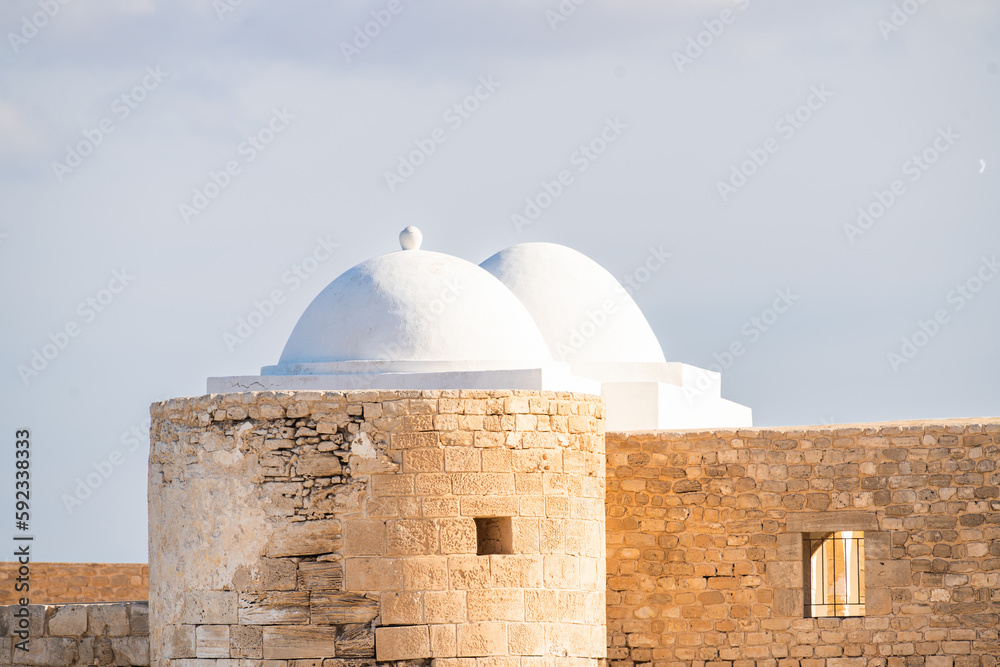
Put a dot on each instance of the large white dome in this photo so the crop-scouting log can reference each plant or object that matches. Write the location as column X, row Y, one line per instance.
column 411, row 310
column 583, row 312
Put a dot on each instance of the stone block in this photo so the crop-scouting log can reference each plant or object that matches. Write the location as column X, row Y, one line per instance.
column 246, row 641
column 878, row 601
column 423, row 460
column 138, row 618
column 425, row 574
column 495, row 605
column 269, row 574
column 444, row 641
column 439, row 507
column 484, row 484
column 364, row 537
column 68, row 621
column 888, row 573
column 789, row 547
column 401, row 608
column 355, row 641
column 445, row 607
column 108, row 619
column 178, row 641
column 131, row 651
column 277, row 608
column 526, row 638
column 290, row 642
column 413, row 537
column 305, row 538
column 877, row 546
column 482, row 639
column 474, row 506
column 49, row 652
column 810, row 522
column 458, row 536
column 402, row 643
column 562, row 572
column 789, row 602
column 373, row 574
column 784, row 574
column 322, row 576
column 208, row 608
column 212, row 641
column 461, row 459
column 469, row 572
column 540, row 605
column 325, row 464
column 338, row 608
column 432, row 484
column 392, row 485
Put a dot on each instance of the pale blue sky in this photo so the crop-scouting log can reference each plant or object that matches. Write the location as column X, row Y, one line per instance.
column 884, row 96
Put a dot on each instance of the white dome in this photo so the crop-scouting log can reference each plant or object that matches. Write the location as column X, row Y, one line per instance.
column 583, row 312
column 408, row 308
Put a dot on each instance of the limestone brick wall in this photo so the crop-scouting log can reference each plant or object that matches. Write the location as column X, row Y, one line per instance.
column 295, row 527
column 705, row 551
column 72, row 635
column 60, row 583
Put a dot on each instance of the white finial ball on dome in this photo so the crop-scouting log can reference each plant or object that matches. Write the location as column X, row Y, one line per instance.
column 410, row 238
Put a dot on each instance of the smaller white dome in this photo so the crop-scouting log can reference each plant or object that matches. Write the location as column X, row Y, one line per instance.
column 583, row 312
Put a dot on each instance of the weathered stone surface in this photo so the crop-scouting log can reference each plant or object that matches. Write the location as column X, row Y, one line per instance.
column 305, row 539
column 49, row 652
column 286, row 642
column 209, row 607
column 716, row 576
column 402, row 643
column 275, row 608
column 69, row 620
column 108, row 619
column 341, row 608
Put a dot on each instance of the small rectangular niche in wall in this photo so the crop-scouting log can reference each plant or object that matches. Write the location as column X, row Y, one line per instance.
column 835, row 583
column 494, row 536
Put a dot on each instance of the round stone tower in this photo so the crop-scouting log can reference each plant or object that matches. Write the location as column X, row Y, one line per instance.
column 417, row 479
column 378, row 525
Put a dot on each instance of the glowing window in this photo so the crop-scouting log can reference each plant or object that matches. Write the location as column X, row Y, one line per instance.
column 836, row 584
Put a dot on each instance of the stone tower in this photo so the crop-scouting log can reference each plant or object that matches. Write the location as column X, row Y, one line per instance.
column 378, row 525
column 422, row 474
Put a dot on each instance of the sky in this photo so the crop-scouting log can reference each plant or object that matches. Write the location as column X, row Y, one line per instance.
column 166, row 167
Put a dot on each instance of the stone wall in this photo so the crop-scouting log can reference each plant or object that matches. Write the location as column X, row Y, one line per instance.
column 61, row 583
column 705, row 530
column 77, row 634
column 298, row 526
